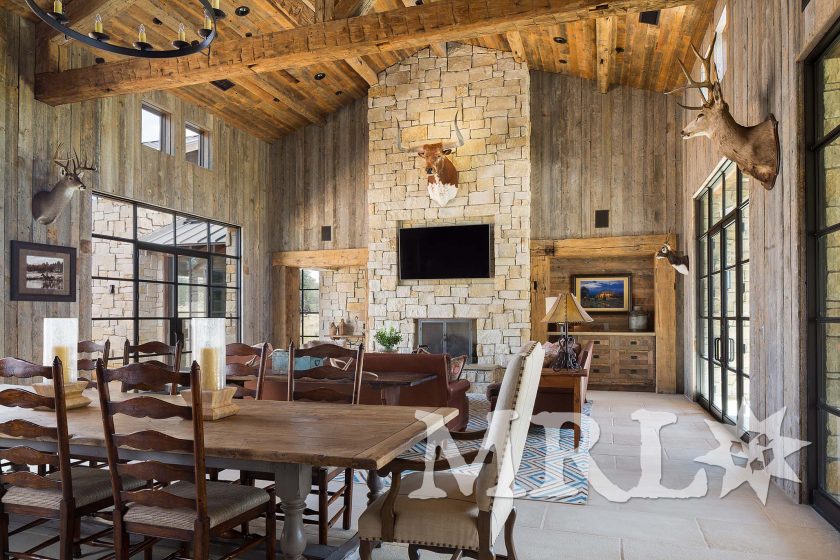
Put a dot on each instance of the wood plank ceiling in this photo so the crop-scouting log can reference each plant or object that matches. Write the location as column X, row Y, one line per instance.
column 615, row 50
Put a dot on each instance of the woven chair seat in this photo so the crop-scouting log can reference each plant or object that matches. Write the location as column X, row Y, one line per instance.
column 89, row 486
column 224, row 502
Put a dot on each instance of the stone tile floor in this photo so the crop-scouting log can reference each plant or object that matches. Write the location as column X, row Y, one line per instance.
column 737, row 527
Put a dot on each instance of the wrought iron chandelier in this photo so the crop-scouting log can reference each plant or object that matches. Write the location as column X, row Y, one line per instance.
column 98, row 39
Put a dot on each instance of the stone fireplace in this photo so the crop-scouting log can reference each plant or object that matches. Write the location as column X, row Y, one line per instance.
column 490, row 93
column 455, row 337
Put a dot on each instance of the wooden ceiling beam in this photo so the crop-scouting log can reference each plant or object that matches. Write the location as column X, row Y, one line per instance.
column 403, row 28
column 82, row 14
column 517, row 47
column 294, row 105
column 606, row 30
column 363, row 69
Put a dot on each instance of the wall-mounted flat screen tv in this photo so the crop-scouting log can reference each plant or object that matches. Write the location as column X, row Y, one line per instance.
column 444, row 252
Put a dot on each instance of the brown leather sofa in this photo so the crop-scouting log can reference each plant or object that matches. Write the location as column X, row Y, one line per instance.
column 439, row 392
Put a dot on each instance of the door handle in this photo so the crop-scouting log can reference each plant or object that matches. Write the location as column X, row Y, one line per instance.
column 730, row 350
column 717, row 348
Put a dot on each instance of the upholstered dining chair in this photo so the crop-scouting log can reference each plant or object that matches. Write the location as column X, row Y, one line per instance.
column 466, row 522
column 185, row 507
column 148, row 352
column 66, row 494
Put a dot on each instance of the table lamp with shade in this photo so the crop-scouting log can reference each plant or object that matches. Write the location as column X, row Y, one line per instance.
column 565, row 309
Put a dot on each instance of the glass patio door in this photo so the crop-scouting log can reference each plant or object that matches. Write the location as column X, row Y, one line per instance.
column 723, row 356
column 823, row 249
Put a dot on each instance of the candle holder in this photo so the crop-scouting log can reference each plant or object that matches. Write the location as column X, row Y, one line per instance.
column 178, row 44
column 101, row 37
column 208, row 344
column 204, row 32
column 143, row 46
column 61, row 340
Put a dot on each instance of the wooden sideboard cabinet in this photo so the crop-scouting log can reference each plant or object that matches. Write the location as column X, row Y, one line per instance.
column 621, row 360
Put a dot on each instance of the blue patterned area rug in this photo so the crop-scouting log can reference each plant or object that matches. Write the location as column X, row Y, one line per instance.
column 552, row 470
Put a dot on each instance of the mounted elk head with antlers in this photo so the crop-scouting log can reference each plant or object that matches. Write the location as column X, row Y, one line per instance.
column 441, row 173
column 754, row 148
column 47, row 205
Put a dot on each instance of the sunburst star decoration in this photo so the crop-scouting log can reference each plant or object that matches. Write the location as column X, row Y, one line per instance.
column 755, row 462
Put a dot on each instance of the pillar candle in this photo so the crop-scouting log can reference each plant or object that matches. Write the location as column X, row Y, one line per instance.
column 208, row 361
column 63, row 354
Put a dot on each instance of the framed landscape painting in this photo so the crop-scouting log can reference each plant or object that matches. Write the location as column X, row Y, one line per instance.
column 43, row 272
column 603, row 294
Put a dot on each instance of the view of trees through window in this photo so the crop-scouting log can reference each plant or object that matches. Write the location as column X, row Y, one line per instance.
column 310, row 300
column 154, row 269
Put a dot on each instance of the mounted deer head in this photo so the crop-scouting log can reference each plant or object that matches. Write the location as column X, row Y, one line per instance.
column 754, row 148
column 679, row 262
column 441, row 173
column 47, row 205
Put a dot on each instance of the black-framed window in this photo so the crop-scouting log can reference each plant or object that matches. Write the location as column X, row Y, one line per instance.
column 197, row 145
column 823, row 273
column 154, row 128
column 153, row 269
column 310, row 305
column 723, row 294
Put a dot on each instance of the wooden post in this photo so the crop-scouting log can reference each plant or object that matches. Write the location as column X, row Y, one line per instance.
column 540, row 288
column 665, row 314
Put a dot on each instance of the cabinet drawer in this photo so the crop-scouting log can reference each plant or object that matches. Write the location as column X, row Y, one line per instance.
column 634, row 342
column 600, row 356
column 597, row 341
column 631, row 358
column 636, row 374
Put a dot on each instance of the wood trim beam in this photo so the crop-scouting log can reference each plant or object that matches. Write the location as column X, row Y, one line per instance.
column 363, row 69
column 403, row 28
column 625, row 246
column 323, row 258
column 517, row 47
column 606, row 30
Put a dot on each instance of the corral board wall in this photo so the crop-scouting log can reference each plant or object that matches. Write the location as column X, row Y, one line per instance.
column 618, row 151
column 319, row 175
column 763, row 76
column 233, row 190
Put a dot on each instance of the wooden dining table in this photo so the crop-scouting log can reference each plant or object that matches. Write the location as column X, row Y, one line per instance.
column 388, row 383
column 285, row 438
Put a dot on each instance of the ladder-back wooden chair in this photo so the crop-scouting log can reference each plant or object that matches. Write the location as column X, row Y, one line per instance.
column 171, row 355
column 339, row 380
column 462, row 524
column 244, row 360
column 87, row 366
column 188, row 508
column 66, row 494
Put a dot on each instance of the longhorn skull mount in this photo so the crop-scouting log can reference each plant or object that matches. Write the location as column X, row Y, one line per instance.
column 754, row 148
column 441, row 173
column 48, row 204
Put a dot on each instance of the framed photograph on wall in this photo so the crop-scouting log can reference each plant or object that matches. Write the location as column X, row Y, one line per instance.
column 603, row 293
column 43, row 272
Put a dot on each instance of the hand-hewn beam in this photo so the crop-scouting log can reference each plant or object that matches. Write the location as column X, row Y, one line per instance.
column 321, row 258
column 514, row 39
column 605, row 36
column 438, row 49
column 403, row 28
column 363, row 69
column 82, row 14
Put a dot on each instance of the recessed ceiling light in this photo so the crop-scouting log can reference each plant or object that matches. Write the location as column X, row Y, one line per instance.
column 249, row 34
column 563, row 61
column 99, row 60
column 156, row 21
column 223, row 85
column 561, row 40
column 339, row 92
column 619, row 50
column 242, row 11
column 320, row 76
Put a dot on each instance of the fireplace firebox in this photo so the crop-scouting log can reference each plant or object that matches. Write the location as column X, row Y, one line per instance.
column 455, row 337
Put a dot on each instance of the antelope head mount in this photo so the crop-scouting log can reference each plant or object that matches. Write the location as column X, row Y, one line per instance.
column 679, row 262
column 754, row 148
column 441, row 173
column 47, row 205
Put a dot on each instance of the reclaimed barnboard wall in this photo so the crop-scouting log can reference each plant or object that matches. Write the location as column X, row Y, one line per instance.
column 235, row 189
column 618, row 151
column 319, row 175
column 765, row 39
